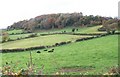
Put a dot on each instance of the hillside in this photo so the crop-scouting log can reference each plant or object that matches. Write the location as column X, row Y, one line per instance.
column 60, row 20
column 92, row 57
column 85, row 51
column 60, row 44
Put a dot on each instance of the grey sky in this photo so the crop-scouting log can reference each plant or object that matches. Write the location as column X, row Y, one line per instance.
column 16, row 10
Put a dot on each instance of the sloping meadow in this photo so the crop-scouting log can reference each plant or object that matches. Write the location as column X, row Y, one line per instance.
column 95, row 56
column 40, row 41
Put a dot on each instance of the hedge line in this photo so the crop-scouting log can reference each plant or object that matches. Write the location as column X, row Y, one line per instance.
column 88, row 38
column 33, row 48
column 56, row 44
column 64, row 33
column 79, row 33
column 21, row 49
column 62, row 43
column 20, row 38
column 70, row 33
column 20, row 33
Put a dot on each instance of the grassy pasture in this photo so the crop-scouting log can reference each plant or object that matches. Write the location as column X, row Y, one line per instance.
column 18, row 36
column 96, row 56
column 91, row 30
column 40, row 41
column 15, row 31
column 69, row 29
column 13, row 37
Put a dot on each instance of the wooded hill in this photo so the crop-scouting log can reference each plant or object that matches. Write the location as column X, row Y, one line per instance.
column 59, row 20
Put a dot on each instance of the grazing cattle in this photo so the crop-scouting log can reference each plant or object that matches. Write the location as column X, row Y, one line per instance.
column 45, row 50
column 6, row 63
column 51, row 50
column 64, row 31
column 76, row 29
column 73, row 30
column 38, row 52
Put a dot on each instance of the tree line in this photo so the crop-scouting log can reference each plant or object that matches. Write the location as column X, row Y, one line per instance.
column 59, row 20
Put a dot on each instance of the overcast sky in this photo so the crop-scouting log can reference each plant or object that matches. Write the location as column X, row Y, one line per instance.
column 15, row 10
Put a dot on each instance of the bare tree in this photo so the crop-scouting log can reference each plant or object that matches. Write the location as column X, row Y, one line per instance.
column 110, row 25
column 5, row 36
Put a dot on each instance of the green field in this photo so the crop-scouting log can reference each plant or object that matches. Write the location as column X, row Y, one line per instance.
column 69, row 29
column 94, row 56
column 40, row 41
column 13, row 37
column 14, row 31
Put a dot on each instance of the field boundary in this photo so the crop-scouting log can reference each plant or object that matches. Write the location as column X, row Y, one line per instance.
column 69, row 33
column 83, row 34
column 56, row 44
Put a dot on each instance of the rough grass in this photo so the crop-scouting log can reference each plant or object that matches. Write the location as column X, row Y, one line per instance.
column 15, row 31
column 18, row 36
column 69, row 29
column 91, row 30
column 93, row 56
column 40, row 41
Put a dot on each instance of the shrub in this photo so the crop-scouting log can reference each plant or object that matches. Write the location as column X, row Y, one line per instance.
column 64, row 31
column 68, row 42
column 18, row 38
column 45, row 50
column 62, row 43
column 102, row 29
column 76, row 29
column 12, row 33
column 33, row 35
column 73, row 30
column 79, row 40
column 8, row 70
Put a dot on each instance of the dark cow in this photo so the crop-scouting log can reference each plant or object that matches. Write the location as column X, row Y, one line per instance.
column 38, row 52
column 51, row 50
column 6, row 63
column 76, row 29
column 45, row 50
